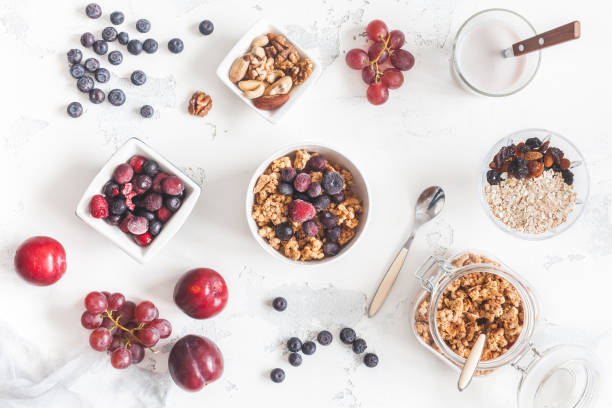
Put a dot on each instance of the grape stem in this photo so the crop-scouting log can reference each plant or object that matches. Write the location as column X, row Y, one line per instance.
column 374, row 63
column 118, row 325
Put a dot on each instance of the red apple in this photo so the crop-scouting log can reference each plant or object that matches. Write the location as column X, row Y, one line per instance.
column 201, row 293
column 194, row 362
column 41, row 260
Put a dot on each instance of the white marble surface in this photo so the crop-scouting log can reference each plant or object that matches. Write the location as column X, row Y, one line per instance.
column 430, row 132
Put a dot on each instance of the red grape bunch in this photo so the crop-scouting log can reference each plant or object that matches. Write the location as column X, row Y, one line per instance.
column 387, row 48
column 122, row 328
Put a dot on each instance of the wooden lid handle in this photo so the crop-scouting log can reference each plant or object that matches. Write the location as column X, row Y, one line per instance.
column 555, row 36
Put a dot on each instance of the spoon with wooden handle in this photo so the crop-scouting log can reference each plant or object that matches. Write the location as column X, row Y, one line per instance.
column 469, row 368
column 555, row 36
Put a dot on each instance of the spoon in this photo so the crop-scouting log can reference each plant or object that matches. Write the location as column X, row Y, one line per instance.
column 469, row 368
column 555, row 36
column 429, row 204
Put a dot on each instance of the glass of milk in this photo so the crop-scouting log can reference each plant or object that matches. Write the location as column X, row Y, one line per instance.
column 478, row 63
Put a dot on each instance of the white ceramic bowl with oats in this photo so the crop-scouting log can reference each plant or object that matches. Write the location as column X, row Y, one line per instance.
column 358, row 189
column 141, row 254
column 540, row 207
column 243, row 46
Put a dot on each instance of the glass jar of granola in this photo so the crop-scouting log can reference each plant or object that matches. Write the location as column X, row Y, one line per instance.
column 459, row 294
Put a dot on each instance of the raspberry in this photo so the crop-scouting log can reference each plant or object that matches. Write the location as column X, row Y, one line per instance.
column 302, row 182
column 136, row 162
column 157, row 182
column 128, row 200
column 301, row 211
column 98, row 206
column 143, row 239
column 164, row 214
column 310, row 228
column 126, row 189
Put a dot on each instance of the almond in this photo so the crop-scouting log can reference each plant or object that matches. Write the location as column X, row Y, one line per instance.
column 533, row 155
column 239, row 68
column 271, row 102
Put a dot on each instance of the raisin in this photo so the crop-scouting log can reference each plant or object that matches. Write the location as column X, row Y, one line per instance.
column 493, row 177
column 565, row 164
column 517, row 150
column 533, row 142
column 498, row 160
column 535, row 168
column 533, row 155
column 507, row 152
column 548, row 160
column 524, row 149
column 568, row 177
column 556, row 153
column 518, row 168
column 544, row 147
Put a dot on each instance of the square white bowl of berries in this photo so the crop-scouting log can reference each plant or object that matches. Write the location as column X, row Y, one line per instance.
column 243, row 47
column 138, row 200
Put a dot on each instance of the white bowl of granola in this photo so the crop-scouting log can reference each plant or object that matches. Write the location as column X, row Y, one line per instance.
column 331, row 222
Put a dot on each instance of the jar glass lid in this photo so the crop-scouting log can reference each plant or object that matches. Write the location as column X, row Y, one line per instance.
column 564, row 376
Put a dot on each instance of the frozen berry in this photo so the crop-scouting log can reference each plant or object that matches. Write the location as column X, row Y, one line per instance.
column 113, row 220
column 96, row 96
column 123, row 38
column 331, row 248
column 568, row 177
column 347, row 335
column 294, row 344
column 143, row 25
column 328, row 219
column 283, row 231
column 91, row 64
column 93, row 10
column 100, row 47
column 285, row 189
column 333, row 234
column 74, row 109
column 155, row 227
column 325, row 338
column 172, row 185
column 137, row 162
column 206, row 27
column 279, row 304
column 138, row 225
column 143, row 182
column 157, row 180
column 85, row 84
column 143, row 239
column 126, row 188
column 115, row 57
column 98, row 206
column 311, row 229
column 370, row 360
column 128, row 200
column 117, row 17
column 314, row 190
column 277, row 375
column 288, row 174
column 123, row 173
column 151, row 167
column 295, row 359
column 302, row 182
column 77, row 71
column 138, row 77
column 110, row 189
column 109, row 34
column 301, row 196
column 172, row 203
column 134, row 47
column 316, row 163
column 332, row 182
column 124, row 222
column 117, row 206
column 152, row 202
column 301, row 211
column 116, row 97
column 141, row 212
column 321, row 202
column 102, row 75
column 338, row 198
column 164, row 214
column 146, row 111
column 309, row 347
column 87, row 39
column 150, row 46
column 359, row 346
column 175, row 45
column 493, row 177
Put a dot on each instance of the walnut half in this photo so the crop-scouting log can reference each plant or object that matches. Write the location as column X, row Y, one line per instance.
column 200, row 104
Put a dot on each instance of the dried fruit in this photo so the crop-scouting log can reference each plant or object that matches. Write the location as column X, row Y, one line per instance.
column 533, row 142
column 271, row 102
column 533, row 155
column 548, row 160
column 556, row 153
column 518, row 168
column 565, row 164
column 568, row 177
column 280, row 87
column 536, row 168
column 493, row 177
column 518, row 150
column 544, row 147
column 200, row 104
column 239, row 68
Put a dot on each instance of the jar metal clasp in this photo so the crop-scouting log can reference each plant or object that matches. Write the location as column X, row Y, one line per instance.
column 430, row 273
column 524, row 362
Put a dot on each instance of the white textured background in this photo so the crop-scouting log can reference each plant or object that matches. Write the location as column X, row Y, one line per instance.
column 429, row 132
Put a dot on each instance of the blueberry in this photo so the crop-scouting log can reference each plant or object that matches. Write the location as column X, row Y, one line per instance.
column 288, row 174
column 285, row 189
column 115, row 57
column 117, row 206
column 172, row 203
column 321, row 202
column 141, row 212
column 109, row 188
column 116, row 97
column 295, row 359
column 316, row 163
column 314, row 190
column 138, row 77
column 150, row 46
column 143, row 182
column 277, row 375
column 77, row 71
column 325, row 338
column 284, row 232
column 332, row 182
column 310, row 228
column 96, row 96
column 333, row 234
column 74, row 109
column 146, row 111
column 102, row 75
column 74, row 56
column 123, row 38
column 279, row 304
column 347, row 335
column 359, row 346
column 134, row 47
column 151, row 167
column 370, row 360
column 331, row 248
column 92, row 64
column 109, row 34
column 143, row 25
column 327, row 219
column 87, row 40
column 113, row 219
column 309, row 348
column 85, row 84
column 175, row 45
column 117, row 17
column 338, row 198
column 155, row 226
column 493, row 177
column 93, row 10
column 100, row 47
column 206, row 27
column 294, row 344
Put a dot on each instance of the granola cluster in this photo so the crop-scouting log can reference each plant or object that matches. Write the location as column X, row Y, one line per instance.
column 279, row 222
column 467, row 299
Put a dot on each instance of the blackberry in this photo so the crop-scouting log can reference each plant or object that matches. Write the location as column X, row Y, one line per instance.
column 74, row 56
column 279, row 304
column 294, row 344
column 295, row 359
column 93, row 10
column 284, row 232
column 85, row 84
column 134, row 47
column 143, row 25
column 285, row 189
column 347, row 335
column 359, row 346
column 325, row 338
column 309, row 348
column 115, row 57
column 277, row 375
column 87, row 40
column 100, row 47
column 206, row 27
column 370, row 360
column 117, row 17
column 175, row 45
column 102, row 75
column 91, row 64
column 146, row 111
column 116, row 97
column 568, row 177
column 533, row 142
column 138, row 77
column 493, row 177
column 150, row 46
column 75, row 109
column 77, row 71
column 96, row 96
column 109, row 34
column 123, row 38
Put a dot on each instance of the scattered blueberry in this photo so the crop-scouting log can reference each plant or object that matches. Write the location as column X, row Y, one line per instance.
column 321, row 202
column 74, row 56
column 87, row 40
column 288, row 174
column 100, row 47
column 138, row 77
column 93, row 10
column 359, row 346
column 123, row 38
column 143, row 25
column 316, row 163
column 331, row 248
column 116, row 97
column 77, row 71
column 109, row 34
column 284, row 232
column 172, row 203
column 347, row 335
column 117, row 206
column 370, row 360
column 96, row 96
column 102, row 75
column 134, row 47
column 85, row 84
column 310, row 228
column 75, row 110
column 277, row 375
column 333, row 234
column 285, row 189
column 294, row 344
column 206, row 27
column 338, row 198
column 155, row 227
column 332, row 182
column 295, row 359
column 115, row 57
column 150, row 46
column 328, row 219
column 309, row 347
column 315, row 189
column 146, row 111
column 117, row 17
column 279, row 304
column 493, row 177
column 151, row 167
column 175, row 45
column 91, row 64
column 325, row 338
column 113, row 219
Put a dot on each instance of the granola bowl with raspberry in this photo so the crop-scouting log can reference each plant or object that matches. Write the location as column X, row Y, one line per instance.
column 307, row 204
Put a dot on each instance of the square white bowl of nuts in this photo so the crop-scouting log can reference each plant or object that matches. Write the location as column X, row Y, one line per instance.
column 268, row 70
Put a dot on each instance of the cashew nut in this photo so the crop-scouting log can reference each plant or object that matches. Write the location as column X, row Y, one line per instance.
column 252, row 89
column 239, row 68
column 280, row 87
column 259, row 52
column 260, row 41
